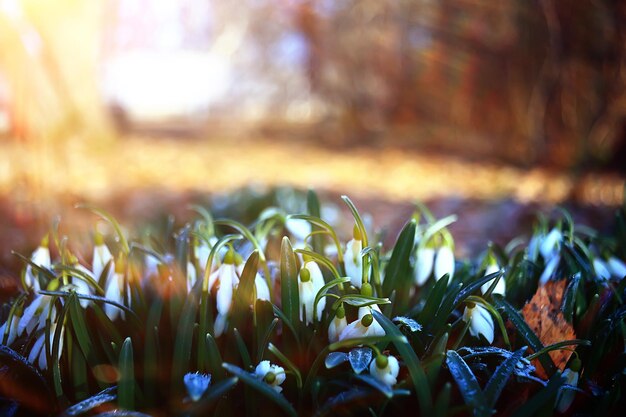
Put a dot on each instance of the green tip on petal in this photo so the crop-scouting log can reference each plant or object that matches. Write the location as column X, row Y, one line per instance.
column 305, row 275
column 229, row 258
column 381, row 361
column 98, row 238
column 356, row 233
column 270, row 377
column 367, row 320
column 367, row 290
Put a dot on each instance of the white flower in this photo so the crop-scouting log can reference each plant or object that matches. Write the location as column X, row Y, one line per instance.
column 551, row 244
column 600, row 267
column 101, row 257
column 423, row 265
column 364, row 326
column 298, row 228
column 40, row 257
column 353, row 262
column 566, row 396
column 273, row 375
column 36, row 314
column 310, row 282
column 12, row 332
column 81, row 286
column 191, row 276
column 550, row 269
column 38, row 353
column 226, row 276
column 480, row 322
column 196, row 384
column 113, row 292
column 262, row 289
column 388, row 371
column 337, row 325
column 500, row 287
column 444, row 263
column 617, row 267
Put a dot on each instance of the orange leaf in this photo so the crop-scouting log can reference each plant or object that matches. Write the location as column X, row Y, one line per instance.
column 543, row 315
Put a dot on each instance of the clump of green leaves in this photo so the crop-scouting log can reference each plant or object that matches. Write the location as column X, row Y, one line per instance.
column 286, row 316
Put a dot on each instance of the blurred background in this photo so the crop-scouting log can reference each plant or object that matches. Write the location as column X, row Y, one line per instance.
column 488, row 109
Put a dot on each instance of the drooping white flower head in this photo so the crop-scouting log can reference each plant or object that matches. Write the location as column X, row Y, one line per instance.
column 500, row 287
column 227, row 278
column 617, row 267
column 425, row 258
column 364, row 326
column 337, row 325
column 551, row 244
column 352, row 259
column 385, row 369
column 481, row 322
column 298, row 228
column 444, row 262
column 40, row 257
column 310, row 282
column 80, row 285
column 566, row 396
column 192, row 276
column 38, row 353
column 196, row 384
column 114, row 290
column 260, row 284
column 601, row 269
column 273, row 375
column 11, row 333
column 101, row 257
column 550, row 269
column 36, row 314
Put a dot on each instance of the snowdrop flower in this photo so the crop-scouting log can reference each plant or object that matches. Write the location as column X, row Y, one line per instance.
column 492, row 268
column 196, row 384
column 385, row 369
column 227, row 277
column 192, row 277
column 12, row 332
column 352, row 259
column 337, row 325
column 617, row 267
column 551, row 244
column 364, row 326
column 114, row 291
column 38, row 352
column 566, row 396
column 262, row 289
column 273, row 375
column 550, row 269
column 298, row 228
column 480, row 321
column 425, row 258
column 41, row 257
column 601, row 269
column 444, row 262
column 81, row 286
column 36, row 314
column 310, row 282
column 101, row 257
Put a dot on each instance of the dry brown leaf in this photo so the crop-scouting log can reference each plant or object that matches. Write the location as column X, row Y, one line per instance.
column 543, row 315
